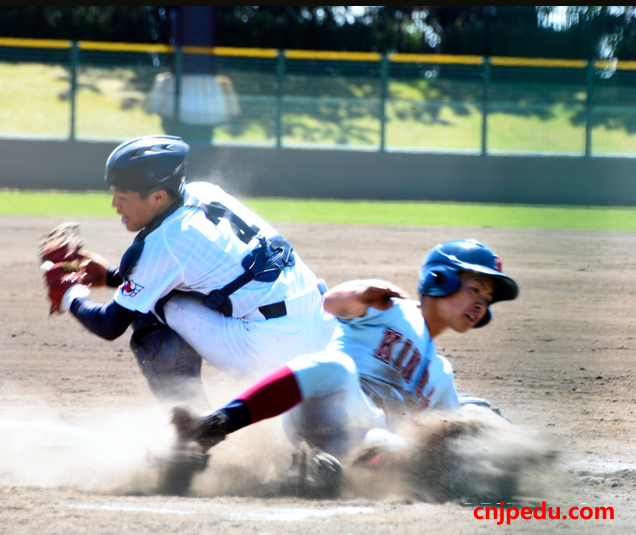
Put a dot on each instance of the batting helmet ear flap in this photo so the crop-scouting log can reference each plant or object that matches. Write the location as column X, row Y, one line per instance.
column 439, row 281
column 484, row 321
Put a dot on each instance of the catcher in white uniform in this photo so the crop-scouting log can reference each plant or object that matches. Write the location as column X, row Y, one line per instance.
column 204, row 277
column 380, row 366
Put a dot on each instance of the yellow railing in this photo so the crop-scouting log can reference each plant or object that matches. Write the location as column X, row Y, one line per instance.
column 317, row 54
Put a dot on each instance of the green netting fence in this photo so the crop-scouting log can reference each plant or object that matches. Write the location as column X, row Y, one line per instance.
column 340, row 100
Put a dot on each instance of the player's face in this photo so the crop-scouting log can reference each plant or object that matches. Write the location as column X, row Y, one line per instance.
column 136, row 211
column 463, row 309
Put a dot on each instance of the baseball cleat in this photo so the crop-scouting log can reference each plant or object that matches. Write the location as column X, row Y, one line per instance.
column 317, row 475
column 179, row 470
column 205, row 431
column 195, row 436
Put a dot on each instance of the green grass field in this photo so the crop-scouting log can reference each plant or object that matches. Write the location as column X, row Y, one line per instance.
column 323, row 109
column 354, row 212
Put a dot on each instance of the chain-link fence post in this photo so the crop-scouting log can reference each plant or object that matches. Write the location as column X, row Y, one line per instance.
column 280, row 97
column 74, row 58
column 384, row 92
column 484, row 122
column 589, row 109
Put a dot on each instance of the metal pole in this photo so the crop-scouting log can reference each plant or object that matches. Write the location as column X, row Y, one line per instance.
column 280, row 97
column 178, row 72
column 589, row 104
column 384, row 91
column 484, row 123
column 73, row 96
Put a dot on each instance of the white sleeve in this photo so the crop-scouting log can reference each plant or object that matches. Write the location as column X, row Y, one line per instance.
column 75, row 291
column 440, row 390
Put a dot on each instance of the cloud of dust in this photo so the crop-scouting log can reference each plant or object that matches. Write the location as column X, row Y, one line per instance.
column 123, row 451
column 475, row 455
column 112, row 454
column 471, row 456
column 251, row 462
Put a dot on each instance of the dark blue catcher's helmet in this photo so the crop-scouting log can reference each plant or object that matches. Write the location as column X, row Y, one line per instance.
column 439, row 275
column 147, row 164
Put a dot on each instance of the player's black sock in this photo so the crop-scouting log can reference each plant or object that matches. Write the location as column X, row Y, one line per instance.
column 238, row 415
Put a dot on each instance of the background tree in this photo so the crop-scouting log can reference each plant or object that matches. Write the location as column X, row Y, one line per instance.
column 584, row 32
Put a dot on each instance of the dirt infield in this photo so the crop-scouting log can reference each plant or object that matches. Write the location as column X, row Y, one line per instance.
column 77, row 420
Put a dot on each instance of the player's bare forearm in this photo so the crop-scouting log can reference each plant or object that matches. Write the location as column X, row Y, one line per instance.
column 352, row 299
column 343, row 301
column 94, row 269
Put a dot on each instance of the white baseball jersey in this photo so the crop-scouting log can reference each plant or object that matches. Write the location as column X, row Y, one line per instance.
column 375, row 363
column 396, row 357
column 187, row 252
column 193, row 255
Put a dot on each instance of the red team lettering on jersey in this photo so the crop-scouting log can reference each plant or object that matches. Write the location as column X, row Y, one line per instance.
column 399, row 353
column 393, row 349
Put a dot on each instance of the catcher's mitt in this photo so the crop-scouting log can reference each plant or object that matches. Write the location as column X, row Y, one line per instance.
column 58, row 281
column 62, row 245
column 60, row 253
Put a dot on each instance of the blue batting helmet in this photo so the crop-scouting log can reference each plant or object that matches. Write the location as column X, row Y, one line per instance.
column 147, row 164
column 439, row 275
